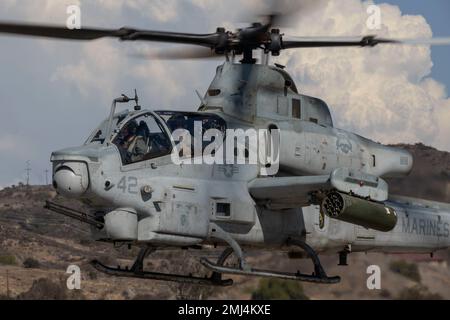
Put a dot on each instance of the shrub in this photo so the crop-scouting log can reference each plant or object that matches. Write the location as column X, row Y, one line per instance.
column 276, row 289
column 418, row 292
column 85, row 242
column 31, row 263
column 45, row 289
column 108, row 260
column 386, row 294
column 182, row 263
column 8, row 260
column 408, row 270
column 92, row 275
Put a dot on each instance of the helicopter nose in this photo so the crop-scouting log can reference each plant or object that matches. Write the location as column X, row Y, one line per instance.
column 71, row 179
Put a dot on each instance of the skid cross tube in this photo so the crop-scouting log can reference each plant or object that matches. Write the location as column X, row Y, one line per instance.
column 318, row 269
column 319, row 275
column 137, row 271
column 218, row 233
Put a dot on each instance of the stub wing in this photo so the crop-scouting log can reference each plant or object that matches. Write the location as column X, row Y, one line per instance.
column 294, row 192
column 287, row 192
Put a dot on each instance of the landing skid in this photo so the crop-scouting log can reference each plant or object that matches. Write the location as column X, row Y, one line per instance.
column 269, row 274
column 211, row 281
column 137, row 271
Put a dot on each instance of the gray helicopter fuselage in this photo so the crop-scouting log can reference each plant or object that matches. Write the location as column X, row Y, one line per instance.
column 160, row 203
column 183, row 205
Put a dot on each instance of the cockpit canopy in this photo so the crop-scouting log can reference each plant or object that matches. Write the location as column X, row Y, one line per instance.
column 186, row 120
column 142, row 137
column 98, row 136
column 146, row 135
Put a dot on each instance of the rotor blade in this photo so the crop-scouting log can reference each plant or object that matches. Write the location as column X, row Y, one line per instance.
column 55, row 31
column 177, row 54
column 319, row 42
column 210, row 40
column 442, row 41
column 368, row 41
column 59, row 32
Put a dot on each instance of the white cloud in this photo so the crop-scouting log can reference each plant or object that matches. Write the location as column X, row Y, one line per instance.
column 54, row 11
column 39, row 11
column 98, row 69
column 159, row 10
column 385, row 93
column 163, row 81
column 103, row 69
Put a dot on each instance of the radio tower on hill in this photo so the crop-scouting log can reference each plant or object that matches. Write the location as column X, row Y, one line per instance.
column 28, row 170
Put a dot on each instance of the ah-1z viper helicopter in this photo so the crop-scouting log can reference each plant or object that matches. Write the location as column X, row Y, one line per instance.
column 328, row 195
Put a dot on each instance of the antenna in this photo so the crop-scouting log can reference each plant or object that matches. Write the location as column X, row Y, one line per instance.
column 125, row 99
column 28, row 170
column 137, row 107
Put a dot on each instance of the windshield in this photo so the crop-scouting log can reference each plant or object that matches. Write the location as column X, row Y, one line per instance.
column 142, row 138
column 98, row 135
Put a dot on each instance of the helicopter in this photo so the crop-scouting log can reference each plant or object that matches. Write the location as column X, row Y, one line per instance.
column 314, row 189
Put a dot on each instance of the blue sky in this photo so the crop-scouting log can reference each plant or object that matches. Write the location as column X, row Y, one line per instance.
column 437, row 13
column 54, row 93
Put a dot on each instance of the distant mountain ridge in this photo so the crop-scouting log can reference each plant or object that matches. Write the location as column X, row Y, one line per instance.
column 430, row 176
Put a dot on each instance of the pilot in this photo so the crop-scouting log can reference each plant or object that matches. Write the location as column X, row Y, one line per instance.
column 125, row 139
column 139, row 144
column 176, row 122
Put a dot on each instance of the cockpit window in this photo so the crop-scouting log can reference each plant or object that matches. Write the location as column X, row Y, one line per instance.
column 98, row 136
column 186, row 120
column 142, row 138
